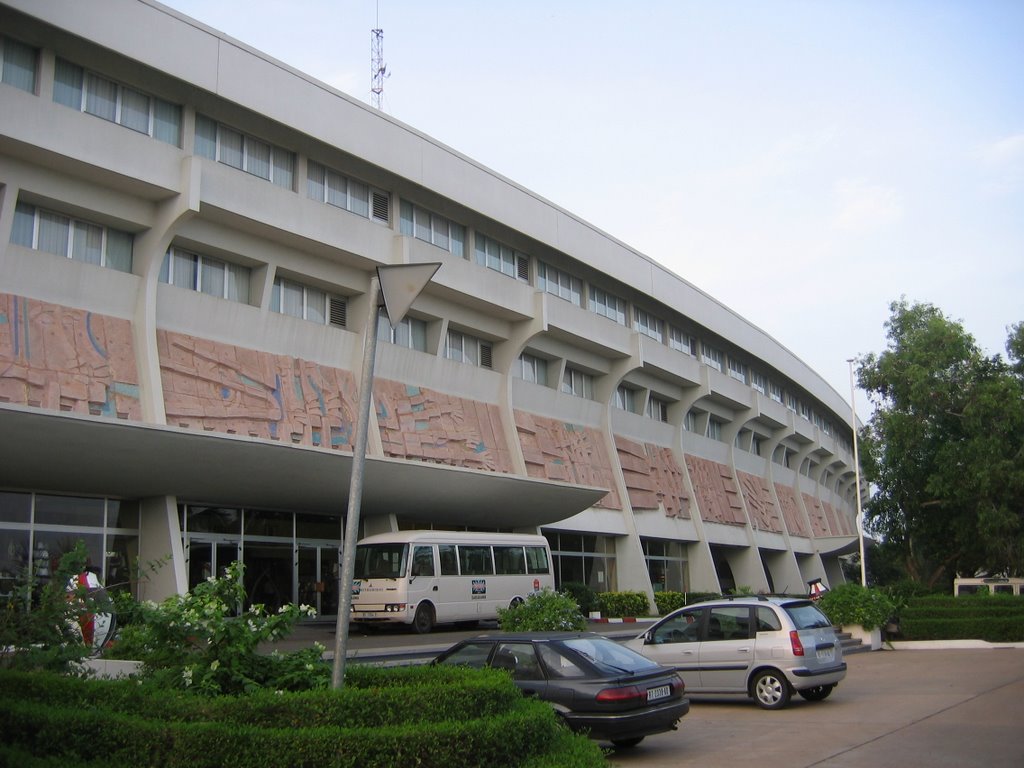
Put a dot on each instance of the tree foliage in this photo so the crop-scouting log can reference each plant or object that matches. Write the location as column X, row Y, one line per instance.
column 944, row 447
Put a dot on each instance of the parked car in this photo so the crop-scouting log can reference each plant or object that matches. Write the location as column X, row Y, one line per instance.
column 762, row 647
column 596, row 685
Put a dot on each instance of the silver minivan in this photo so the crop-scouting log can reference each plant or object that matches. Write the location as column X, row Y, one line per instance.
column 758, row 646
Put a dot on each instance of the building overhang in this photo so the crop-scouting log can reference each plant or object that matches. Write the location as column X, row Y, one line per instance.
column 86, row 455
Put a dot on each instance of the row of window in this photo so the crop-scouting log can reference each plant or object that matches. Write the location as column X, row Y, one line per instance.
column 90, row 92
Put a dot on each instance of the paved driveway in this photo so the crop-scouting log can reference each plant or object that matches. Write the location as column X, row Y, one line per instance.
column 903, row 708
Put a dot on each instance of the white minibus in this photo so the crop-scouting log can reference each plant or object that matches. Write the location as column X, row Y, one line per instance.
column 425, row 578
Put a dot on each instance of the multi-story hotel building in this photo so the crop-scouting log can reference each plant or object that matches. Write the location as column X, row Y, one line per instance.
column 188, row 233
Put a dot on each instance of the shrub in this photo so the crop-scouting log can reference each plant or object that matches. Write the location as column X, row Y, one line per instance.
column 584, row 596
column 196, row 641
column 618, row 604
column 39, row 619
column 669, row 601
column 700, row 597
column 543, row 611
column 851, row 603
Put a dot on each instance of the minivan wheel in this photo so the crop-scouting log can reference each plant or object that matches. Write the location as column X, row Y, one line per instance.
column 423, row 621
column 770, row 689
column 817, row 693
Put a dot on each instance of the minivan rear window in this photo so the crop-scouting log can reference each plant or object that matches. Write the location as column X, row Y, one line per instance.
column 806, row 615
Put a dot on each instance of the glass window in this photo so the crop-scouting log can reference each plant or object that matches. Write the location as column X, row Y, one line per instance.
column 509, row 560
column 135, row 110
column 728, row 623
column 682, row 628
column 167, row 122
column 475, row 561
column 380, row 561
column 559, row 283
column 18, row 64
column 682, row 341
column 607, row 305
column 71, row 238
column 206, row 137
column 712, row 357
column 15, row 507
column 205, row 274
column 410, row 333
column 537, row 560
column 767, row 621
column 558, row 664
column 625, row 398
column 578, row 383
column 67, row 84
column 69, row 510
column 470, row 655
column 647, row 324
column 449, row 559
column 422, row 561
column 657, row 409
column 532, row 369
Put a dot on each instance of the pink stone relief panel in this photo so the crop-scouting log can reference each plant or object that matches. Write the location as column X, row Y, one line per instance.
column 65, row 359
column 718, row 497
column 557, row 450
column 419, row 423
column 218, row 387
column 760, row 503
column 791, row 511
column 653, row 477
column 819, row 525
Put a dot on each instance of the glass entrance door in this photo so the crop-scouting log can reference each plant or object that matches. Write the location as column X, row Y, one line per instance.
column 208, row 556
column 318, row 579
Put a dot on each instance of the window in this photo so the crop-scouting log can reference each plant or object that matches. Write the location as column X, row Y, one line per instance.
column 509, row 560
column 755, row 444
column 431, row 228
column 206, row 275
column 327, row 186
column 422, row 561
column 246, row 153
column 775, row 391
column 302, row 301
column 467, row 349
column 17, row 64
column 475, row 560
column 656, row 409
column 712, row 357
column 714, row 430
column 501, row 258
column 578, row 384
column 607, row 305
column 532, row 369
column 690, row 422
column 88, row 92
column 737, row 369
column 681, row 341
column 559, row 283
column 804, row 410
column 647, row 324
column 758, row 382
column 61, row 235
column 625, row 398
column 411, row 333
column 791, row 401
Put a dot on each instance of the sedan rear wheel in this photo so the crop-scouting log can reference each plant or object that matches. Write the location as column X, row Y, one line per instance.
column 770, row 689
column 817, row 693
column 627, row 743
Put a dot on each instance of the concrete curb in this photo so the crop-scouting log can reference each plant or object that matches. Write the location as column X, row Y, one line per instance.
column 947, row 645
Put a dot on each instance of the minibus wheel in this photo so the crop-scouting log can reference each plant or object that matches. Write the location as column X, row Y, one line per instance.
column 423, row 621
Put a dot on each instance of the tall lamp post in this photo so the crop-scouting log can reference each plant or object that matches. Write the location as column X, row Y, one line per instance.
column 856, row 470
column 397, row 287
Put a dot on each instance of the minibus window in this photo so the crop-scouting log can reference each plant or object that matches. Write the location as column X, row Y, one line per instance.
column 449, row 561
column 537, row 560
column 422, row 561
column 380, row 561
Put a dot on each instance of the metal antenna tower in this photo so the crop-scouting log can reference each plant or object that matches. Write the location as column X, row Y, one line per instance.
column 378, row 70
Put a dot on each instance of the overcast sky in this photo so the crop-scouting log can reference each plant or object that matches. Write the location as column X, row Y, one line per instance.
column 804, row 162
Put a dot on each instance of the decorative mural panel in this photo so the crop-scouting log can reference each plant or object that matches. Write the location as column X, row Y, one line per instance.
column 418, row 423
column 758, row 494
column 653, row 477
column 791, row 513
column 837, row 521
column 718, row 496
column 558, row 450
column 63, row 359
column 219, row 387
column 819, row 525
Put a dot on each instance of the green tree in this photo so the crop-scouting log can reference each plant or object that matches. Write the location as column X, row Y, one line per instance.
column 944, row 447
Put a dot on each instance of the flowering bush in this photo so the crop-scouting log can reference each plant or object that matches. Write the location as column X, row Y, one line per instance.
column 200, row 641
column 852, row 604
column 543, row 611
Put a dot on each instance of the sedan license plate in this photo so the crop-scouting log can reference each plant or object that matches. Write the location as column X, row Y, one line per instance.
column 661, row 692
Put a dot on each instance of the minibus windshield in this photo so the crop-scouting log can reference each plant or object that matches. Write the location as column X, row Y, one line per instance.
column 380, row 561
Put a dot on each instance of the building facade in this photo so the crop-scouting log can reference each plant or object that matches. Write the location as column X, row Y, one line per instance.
column 188, row 234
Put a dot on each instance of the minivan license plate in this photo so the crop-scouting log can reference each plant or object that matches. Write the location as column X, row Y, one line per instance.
column 661, row 692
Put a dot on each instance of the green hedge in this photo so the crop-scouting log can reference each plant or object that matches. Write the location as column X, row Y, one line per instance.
column 446, row 716
column 619, row 604
column 994, row 618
